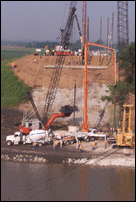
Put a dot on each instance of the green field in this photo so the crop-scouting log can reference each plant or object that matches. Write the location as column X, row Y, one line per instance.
column 13, row 90
column 8, row 53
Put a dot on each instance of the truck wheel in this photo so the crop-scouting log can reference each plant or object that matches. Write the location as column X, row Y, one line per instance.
column 67, row 143
column 9, row 143
column 72, row 142
column 87, row 139
column 40, row 144
column 92, row 138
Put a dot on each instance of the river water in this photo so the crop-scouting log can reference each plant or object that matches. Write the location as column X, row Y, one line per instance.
column 64, row 182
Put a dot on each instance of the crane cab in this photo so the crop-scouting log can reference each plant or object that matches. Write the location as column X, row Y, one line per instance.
column 30, row 124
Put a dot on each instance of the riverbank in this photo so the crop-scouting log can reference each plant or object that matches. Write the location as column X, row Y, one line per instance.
column 124, row 157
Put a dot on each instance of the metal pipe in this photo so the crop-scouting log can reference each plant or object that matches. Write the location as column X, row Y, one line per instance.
column 85, row 127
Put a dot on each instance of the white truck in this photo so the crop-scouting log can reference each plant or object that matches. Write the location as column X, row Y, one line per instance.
column 91, row 135
column 38, row 136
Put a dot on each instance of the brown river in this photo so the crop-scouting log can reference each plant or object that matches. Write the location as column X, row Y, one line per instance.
column 65, row 182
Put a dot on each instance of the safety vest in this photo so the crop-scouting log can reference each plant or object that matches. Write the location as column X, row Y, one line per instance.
column 80, row 147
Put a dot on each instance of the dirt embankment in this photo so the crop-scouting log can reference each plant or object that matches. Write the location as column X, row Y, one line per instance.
column 32, row 71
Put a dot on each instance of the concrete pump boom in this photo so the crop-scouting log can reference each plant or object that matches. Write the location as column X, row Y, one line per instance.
column 85, row 127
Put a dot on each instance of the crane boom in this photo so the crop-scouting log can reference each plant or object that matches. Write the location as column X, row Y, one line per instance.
column 78, row 25
column 66, row 33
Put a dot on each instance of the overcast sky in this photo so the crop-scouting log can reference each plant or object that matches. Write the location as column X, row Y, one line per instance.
column 42, row 20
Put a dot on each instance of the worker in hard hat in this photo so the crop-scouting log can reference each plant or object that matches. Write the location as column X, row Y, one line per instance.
column 61, row 143
column 35, row 145
column 94, row 145
column 54, row 145
column 62, row 136
column 106, row 144
column 80, row 147
column 49, row 140
column 78, row 144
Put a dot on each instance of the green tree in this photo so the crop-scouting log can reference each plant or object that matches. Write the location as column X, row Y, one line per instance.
column 127, row 62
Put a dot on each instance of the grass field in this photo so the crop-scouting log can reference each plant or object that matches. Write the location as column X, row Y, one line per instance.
column 13, row 90
column 11, row 52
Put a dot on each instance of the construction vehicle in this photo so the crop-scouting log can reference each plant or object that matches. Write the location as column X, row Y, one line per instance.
column 33, row 134
column 30, row 124
column 64, row 48
column 88, row 134
column 48, row 51
column 59, row 50
column 39, row 137
column 125, row 137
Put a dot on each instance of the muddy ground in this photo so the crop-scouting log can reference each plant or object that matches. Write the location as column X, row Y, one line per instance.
column 8, row 127
column 69, row 154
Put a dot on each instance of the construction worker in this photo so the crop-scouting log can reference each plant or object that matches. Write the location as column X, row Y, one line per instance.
column 94, row 145
column 35, row 145
column 106, row 144
column 62, row 136
column 54, row 145
column 78, row 144
column 80, row 147
column 61, row 143
column 49, row 140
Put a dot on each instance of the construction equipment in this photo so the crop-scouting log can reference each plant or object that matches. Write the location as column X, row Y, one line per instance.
column 125, row 137
column 66, row 32
column 28, row 134
column 30, row 124
column 61, row 50
column 64, row 49
column 85, row 127
column 52, row 90
column 48, row 51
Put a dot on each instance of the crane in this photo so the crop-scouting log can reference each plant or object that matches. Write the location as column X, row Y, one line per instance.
column 65, row 41
column 66, row 32
column 51, row 94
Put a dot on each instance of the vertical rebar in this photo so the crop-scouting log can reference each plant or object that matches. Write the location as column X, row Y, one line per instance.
column 100, row 39
column 112, row 21
column 85, row 23
column 74, row 100
column 107, row 37
column 83, row 32
column 87, row 29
